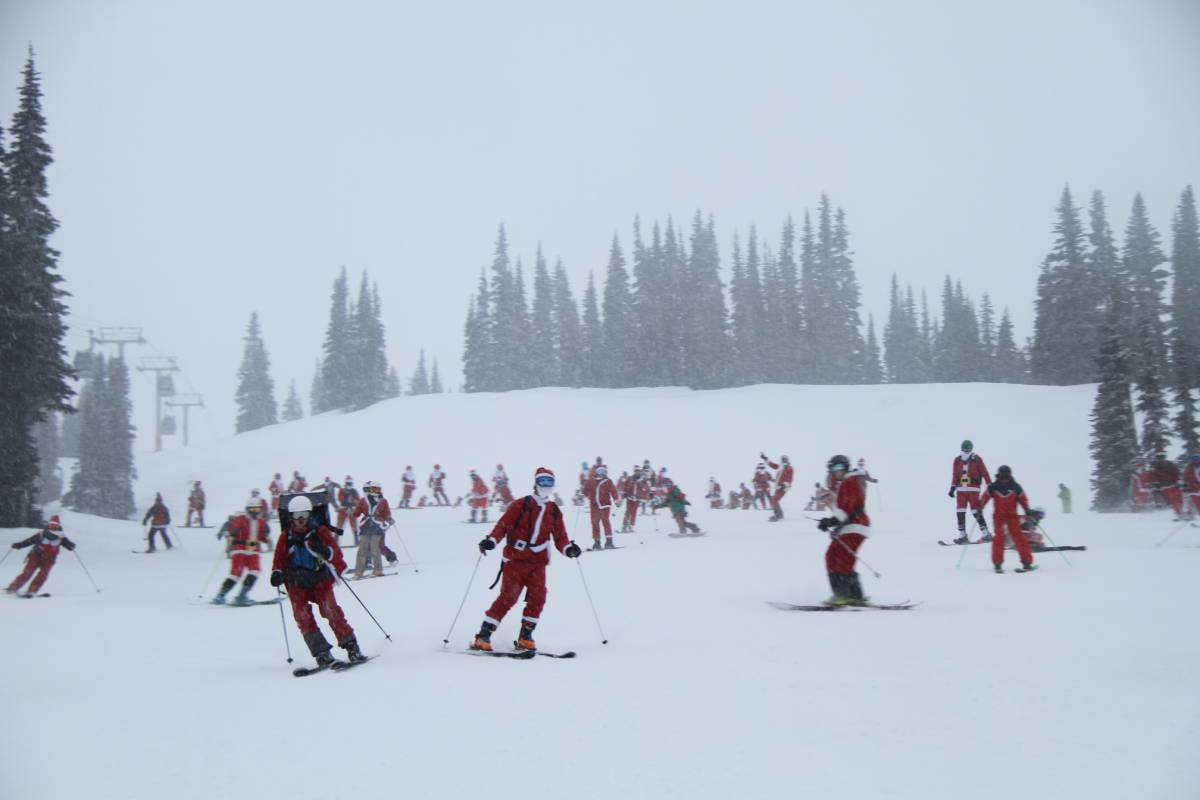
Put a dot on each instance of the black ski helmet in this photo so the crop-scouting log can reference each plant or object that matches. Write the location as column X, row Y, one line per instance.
column 1005, row 471
column 838, row 462
column 968, row 445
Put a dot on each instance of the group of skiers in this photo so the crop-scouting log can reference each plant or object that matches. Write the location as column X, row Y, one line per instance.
column 772, row 481
column 1161, row 483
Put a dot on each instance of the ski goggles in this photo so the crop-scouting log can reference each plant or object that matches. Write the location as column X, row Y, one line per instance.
column 374, row 490
column 300, row 514
column 545, row 481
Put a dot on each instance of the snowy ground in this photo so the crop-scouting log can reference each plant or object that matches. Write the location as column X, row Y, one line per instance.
column 1071, row 682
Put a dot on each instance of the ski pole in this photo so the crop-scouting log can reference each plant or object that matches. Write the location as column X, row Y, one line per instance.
column 852, row 552
column 364, row 605
column 1163, row 541
column 1054, row 543
column 603, row 638
column 6, row 555
column 963, row 554
column 211, row 572
column 464, row 600
column 175, row 531
column 283, row 620
column 879, row 495
column 407, row 554
column 85, row 570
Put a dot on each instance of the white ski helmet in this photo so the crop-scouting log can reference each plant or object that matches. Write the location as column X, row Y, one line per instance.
column 300, row 505
column 371, row 487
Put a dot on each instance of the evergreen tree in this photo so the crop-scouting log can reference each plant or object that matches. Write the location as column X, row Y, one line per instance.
column 774, row 348
column 1185, row 416
column 874, row 366
column 1065, row 320
column 33, row 359
column 119, row 433
column 1142, row 260
column 478, row 364
column 810, row 312
column 647, row 305
column 1114, row 443
column 338, row 366
column 619, row 362
column 1185, row 260
column 419, row 384
column 987, row 339
column 706, row 354
column 1009, row 362
column 368, row 383
column 928, row 334
column 1152, row 405
column 435, row 380
column 391, row 387
column 1103, row 260
column 256, row 390
column 849, row 347
column 50, row 485
column 317, row 389
column 593, row 337
column 522, row 333
column 505, row 321
column 673, row 306
column 86, row 494
column 568, row 337
column 791, row 324
column 292, row 408
column 544, row 370
column 901, row 338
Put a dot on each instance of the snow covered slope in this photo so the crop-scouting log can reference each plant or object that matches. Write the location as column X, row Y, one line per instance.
column 1074, row 681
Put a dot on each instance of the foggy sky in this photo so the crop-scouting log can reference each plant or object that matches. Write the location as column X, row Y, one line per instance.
column 213, row 159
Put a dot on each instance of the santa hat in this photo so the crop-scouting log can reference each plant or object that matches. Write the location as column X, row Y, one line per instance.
column 543, row 471
column 55, row 524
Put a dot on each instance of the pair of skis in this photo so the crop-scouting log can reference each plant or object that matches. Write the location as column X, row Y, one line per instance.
column 829, row 607
column 336, row 666
column 522, row 655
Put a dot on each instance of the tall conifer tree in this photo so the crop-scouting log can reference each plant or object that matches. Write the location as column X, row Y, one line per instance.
column 256, row 390
column 1185, row 261
column 292, row 407
column 1114, row 443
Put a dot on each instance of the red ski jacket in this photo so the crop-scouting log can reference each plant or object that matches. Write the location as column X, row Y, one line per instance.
column 784, row 480
column 975, row 471
column 245, row 534
column 1008, row 496
column 45, row 546
column 601, row 492
column 850, row 507
column 529, row 526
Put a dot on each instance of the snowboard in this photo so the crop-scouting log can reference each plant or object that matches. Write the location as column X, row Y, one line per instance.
column 823, row 607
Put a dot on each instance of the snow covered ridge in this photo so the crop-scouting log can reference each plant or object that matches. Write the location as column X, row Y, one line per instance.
column 907, row 433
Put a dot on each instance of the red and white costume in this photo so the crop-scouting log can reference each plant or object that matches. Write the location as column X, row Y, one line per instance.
column 762, row 485
column 500, row 483
column 478, row 499
column 850, row 508
column 529, row 527
column 967, row 478
column 298, row 483
column 242, row 544
column 1164, row 479
column 348, row 499
column 1138, row 490
column 289, row 555
column 196, row 503
column 1191, row 485
column 783, row 482
column 602, row 496
column 714, row 494
column 41, row 558
column 409, row 484
column 437, row 482
column 275, row 489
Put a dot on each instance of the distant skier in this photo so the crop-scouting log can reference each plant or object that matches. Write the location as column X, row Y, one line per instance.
column 1031, row 527
column 159, row 519
column 298, row 484
column 41, row 558
column 1008, row 496
column 275, row 489
column 1139, row 491
column 848, row 527
column 714, row 494
column 602, row 498
column 1064, row 494
column 783, row 482
column 437, row 482
column 477, row 500
column 529, row 527
column 762, row 485
column 627, row 487
column 196, row 503
column 967, row 477
column 500, row 486
column 243, row 534
column 409, row 483
column 862, row 467
column 332, row 493
column 1191, row 484
column 347, row 506
column 374, row 517
column 677, row 501
column 307, row 560
column 1164, row 482
column 746, row 498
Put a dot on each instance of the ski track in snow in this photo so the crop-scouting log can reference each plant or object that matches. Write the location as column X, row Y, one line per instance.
column 1072, row 681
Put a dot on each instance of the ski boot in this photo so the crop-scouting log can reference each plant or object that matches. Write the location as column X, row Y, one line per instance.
column 855, row 592
column 377, row 573
column 483, row 639
column 987, row 537
column 694, row 528
column 999, row 568
column 841, row 591
column 224, row 590
column 525, row 637
column 483, row 515
column 353, row 654
column 473, row 513
column 324, row 659
column 596, row 545
column 608, row 544
column 961, row 538
column 1027, row 566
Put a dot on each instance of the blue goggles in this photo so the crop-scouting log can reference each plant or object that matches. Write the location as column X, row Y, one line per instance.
column 545, row 481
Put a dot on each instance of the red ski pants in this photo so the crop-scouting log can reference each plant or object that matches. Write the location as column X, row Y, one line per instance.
column 842, row 553
column 631, row 509
column 518, row 575
column 967, row 499
column 779, row 493
column 244, row 562
column 1011, row 524
column 327, row 604
column 601, row 517
column 1195, row 497
column 1174, row 498
column 199, row 512
column 32, row 565
column 343, row 513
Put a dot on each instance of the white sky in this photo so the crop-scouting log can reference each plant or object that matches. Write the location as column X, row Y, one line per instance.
column 217, row 158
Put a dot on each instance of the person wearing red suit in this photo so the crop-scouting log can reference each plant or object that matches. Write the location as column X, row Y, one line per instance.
column 243, row 535
column 159, row 519
column 848, row 528
column 298, row 484
column 501, row 488
column 196, row 503
column 409, row 482
column 644, row 492
column 437, row 482
column 714, row 494
column 1191, row 484
column 783, row 482
column 1008, row 497
column 746, row 498
column 307, row 561
column 529, row 527
column 347, row 503
column 374, row 517
column 275, row 489
column 602, row 496
column 1138, row 493
column 41, row 558
column 477, row 501
column 762, row 485
column 967, row 477
column 627, row 486
column 1164, row 482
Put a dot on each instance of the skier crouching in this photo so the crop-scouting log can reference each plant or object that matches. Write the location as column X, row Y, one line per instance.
column 307, row 559
column 41, row 558
column 848, row 528
column 678, row 503
column 529, row 526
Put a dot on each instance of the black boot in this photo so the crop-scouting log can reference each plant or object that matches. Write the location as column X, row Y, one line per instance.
column 319, row 647
column 243, row 598
column 484, row 515
column 837, row 584
column 854, row 590
column 353, row 654
column 483, row 639
column 472, row 515
column 525, row 637
column 226, row 585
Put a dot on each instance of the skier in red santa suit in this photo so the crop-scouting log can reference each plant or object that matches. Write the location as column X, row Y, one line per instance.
column 347, row 504
column 1137, row 486
column 244, row 533
column 783, row 482
column 275, row 489
column 196, row 503
column 409, row 482
column 602, row 497
column 714, row 494
column 307, row 561
column 41, row 558
column 1164, row 481
column 529, row 527
column 762, row 485
column 967, row 478
column 500, row 486
column 746, row 498
column 848, row 528
column 1009, row 498
column 627, row 488
column 1191, row 484
column 437, row 482
column 478, row 499
column 298, row 484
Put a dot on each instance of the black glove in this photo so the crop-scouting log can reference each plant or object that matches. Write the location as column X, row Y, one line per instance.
column 828, row 522
column 951, row 493
column 486, row 543
column 763, row 456
column 16, row 546
column 276, row 578
column 572, row 551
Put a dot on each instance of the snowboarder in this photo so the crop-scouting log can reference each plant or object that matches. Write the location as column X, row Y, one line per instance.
column 602, row 498
column 968, row 475
column 307, row 560
column 783, row 482
column 1008, row 495
column 478, row 499
column 159, row 518
column 275, row 489
column 437, row 482
column 762, row 485
column 243, row 534
column 1064, row 494
column 409, row 483
column 196, row 503
column 41, row 558
column 529, row 527
column 848, row 528
column 678, row 503
column 500, row 487
column 376, row 517
column 347, row 506
column 1164, row 482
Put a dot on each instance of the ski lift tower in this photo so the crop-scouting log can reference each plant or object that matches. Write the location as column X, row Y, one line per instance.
column 185, row 401
column 164, row 386
column 118, row 336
